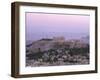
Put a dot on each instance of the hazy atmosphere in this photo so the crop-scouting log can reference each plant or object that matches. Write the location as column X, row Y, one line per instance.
column 57, row 39
column 40, row 25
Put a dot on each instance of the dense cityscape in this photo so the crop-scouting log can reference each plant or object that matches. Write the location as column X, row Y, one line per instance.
column 57, row 52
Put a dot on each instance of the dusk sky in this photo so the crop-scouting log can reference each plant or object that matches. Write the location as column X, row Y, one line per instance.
column 42, row 25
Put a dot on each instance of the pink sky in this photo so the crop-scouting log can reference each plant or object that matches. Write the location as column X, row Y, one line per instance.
column 39, row 23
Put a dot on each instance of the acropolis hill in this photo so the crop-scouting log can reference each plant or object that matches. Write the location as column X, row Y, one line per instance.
column 57, row 51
